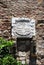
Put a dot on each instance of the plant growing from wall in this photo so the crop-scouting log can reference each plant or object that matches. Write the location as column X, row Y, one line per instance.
column 0, row 61
column 5, row 57
column 9, row 60
column 4, row 51
column 19, row 63
column 4, row 43
column 5, row 46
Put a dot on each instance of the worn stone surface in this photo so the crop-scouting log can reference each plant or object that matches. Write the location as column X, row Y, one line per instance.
column 40, row 41
column 5, row 29
column 23, row 57
column 24, row 8
column 19, row 8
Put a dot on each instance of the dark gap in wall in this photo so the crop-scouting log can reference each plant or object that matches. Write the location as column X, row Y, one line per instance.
column 33, row 53
column 40, row 21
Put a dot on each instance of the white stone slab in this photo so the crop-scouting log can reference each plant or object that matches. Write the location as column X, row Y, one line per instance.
column 26, row 27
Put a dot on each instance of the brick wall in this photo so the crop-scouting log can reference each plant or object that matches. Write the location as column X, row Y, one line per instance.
column 23, row 8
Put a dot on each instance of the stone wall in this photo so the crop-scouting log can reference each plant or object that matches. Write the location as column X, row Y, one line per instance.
column 23, row 8
column 5, row 29
column 40, row 41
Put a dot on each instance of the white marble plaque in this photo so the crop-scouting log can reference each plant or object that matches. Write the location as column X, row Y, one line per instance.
column 23, row 27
